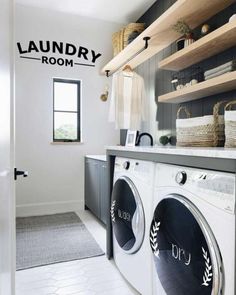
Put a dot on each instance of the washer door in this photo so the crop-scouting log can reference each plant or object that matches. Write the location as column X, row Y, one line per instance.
column 127, row 215
column 186, row 255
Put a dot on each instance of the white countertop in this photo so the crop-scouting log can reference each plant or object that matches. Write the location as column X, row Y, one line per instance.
column 97, row 157
column 225, row 153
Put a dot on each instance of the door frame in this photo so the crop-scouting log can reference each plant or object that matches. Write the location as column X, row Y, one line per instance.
column 7, row 142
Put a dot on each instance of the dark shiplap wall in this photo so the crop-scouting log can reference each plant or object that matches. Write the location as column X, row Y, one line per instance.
column 159, row 80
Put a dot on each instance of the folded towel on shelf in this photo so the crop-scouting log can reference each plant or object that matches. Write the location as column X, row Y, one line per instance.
column 220, row 68
column 219, row 73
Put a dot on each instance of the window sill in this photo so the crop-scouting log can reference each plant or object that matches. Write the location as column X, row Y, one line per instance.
column 67, row 143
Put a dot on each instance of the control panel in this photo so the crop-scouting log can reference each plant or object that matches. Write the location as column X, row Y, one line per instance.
column 212, row 182
column 143, row 170
column 216, row 188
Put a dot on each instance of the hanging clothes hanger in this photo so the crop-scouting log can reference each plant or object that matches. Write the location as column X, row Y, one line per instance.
column 127, row 68
column 128, row 71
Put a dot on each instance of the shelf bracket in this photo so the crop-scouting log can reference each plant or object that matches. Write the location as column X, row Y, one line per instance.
column 146, row 40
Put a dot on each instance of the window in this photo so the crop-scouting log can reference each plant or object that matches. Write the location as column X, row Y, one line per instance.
column 66, row 110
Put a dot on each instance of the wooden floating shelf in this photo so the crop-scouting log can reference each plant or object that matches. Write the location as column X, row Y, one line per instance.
column 209, row 45
column 223, row 83
column 161, row 32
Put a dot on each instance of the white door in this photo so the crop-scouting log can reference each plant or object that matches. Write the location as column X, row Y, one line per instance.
column 7, row 204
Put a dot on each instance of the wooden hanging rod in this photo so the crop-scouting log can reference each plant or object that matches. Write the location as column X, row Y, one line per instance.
column 146, row 40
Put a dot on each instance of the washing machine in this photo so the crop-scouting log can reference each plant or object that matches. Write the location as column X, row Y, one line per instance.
column 131, row 206
column 192, row 234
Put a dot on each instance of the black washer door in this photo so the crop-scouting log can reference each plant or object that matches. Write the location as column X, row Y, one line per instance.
column 185, row 260
column 127, row 215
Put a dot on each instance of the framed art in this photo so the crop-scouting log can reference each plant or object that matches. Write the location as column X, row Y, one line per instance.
column 131, row 137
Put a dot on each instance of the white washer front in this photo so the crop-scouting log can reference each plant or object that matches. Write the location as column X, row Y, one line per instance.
column 192, row 234
column 131, row 216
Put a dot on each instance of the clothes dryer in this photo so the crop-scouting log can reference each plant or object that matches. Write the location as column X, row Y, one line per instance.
column 131, row 217
column 192, row 235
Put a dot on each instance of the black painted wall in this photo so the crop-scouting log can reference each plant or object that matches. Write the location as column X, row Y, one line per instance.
column 166, row 113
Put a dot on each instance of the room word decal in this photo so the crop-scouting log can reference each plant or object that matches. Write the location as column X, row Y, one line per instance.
column 71, row 54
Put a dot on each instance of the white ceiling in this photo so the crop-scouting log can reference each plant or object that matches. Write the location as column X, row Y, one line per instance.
column 118, row 11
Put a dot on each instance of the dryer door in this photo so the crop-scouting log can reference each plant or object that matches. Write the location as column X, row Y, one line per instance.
column 127, row 215
column 185, row 252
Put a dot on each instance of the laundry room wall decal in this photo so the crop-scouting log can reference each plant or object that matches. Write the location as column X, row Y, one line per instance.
column 72, row 54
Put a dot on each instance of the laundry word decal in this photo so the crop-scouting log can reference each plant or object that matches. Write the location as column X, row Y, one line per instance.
column 70, row 54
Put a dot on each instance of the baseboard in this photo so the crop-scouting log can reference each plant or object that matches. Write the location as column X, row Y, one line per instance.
column 48, row 208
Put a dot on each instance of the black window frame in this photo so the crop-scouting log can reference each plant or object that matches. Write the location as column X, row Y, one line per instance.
column 78, row 83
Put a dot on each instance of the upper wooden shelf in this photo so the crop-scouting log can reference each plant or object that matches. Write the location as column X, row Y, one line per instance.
column 161, row 32
column 209, row 45
column 223, row 83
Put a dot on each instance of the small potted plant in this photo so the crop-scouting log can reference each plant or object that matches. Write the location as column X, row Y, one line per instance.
column 183, row 28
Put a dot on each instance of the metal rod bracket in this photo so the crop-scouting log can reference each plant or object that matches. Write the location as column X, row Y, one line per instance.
column 146, row 39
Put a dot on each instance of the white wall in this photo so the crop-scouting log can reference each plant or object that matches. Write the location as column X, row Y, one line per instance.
column 56, row 172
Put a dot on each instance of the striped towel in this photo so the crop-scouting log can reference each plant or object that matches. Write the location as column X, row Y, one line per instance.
column 220, row 68
column 219, row 73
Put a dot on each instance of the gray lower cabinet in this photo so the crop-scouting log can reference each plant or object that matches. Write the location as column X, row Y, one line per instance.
column 96, row 188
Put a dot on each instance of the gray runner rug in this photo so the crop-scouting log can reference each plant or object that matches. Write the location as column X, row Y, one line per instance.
column 49, row 239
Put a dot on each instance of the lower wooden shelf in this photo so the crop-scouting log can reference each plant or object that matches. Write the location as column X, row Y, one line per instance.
column 223, row 83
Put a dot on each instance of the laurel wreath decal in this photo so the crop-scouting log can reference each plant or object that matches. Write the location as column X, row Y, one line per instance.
column 153, row 238
column 207, row 277
column 113, row 218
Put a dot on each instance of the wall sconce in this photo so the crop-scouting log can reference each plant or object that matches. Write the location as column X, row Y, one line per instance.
column 104, row 96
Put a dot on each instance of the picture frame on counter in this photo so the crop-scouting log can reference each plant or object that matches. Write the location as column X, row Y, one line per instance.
column 131, row 137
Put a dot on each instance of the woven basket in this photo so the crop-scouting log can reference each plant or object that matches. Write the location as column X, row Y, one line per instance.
column 120, row 39
column 230, row 125
column 117, row 42
column 205, row 131
column 129, row 29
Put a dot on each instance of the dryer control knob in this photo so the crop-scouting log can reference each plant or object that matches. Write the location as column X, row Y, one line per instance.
column 126, row 165
column 181, row 177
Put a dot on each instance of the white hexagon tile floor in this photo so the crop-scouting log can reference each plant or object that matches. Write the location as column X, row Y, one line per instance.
column 93, row 276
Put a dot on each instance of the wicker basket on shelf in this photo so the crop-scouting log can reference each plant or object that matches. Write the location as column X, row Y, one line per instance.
column 131, row 28
column 121, row 39
column 205, row 131
column 230, row 125
column 117, row 42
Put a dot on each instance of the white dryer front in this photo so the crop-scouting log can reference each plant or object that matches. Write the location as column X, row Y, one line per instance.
column 131, row 207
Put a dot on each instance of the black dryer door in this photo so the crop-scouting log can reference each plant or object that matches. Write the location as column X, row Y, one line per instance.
column 127, row 215
column 185, row 253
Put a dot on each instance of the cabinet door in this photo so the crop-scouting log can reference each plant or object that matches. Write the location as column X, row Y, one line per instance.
column 92, row 194
column 104, row 196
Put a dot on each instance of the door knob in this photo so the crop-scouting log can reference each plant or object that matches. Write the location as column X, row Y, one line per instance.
column 19, row 173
